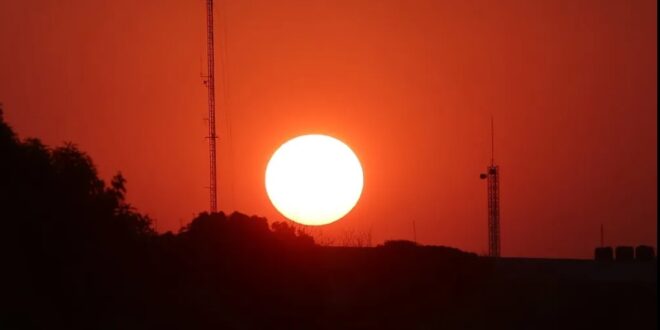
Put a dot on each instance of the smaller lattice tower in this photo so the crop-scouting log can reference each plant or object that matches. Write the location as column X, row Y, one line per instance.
column 492, row 176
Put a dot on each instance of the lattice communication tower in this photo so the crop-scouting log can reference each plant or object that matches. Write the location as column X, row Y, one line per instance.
column 210, row 85
column 492, row 176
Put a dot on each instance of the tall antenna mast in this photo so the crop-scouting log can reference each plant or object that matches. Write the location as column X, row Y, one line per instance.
column 492, row 141
column 210, row 84
column 414, row 231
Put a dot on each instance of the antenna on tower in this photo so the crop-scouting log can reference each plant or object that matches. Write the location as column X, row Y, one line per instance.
column 414, row 231
column 492, row 141
column 210, row 84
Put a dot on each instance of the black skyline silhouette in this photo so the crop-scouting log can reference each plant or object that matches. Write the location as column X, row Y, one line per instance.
column 75, row 254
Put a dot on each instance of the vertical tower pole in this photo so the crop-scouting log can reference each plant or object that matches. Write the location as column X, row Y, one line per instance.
column 414, row 231
column 210, row 84
column 492, row 142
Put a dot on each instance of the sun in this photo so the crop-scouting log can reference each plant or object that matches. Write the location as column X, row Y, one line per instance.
column 314, row 179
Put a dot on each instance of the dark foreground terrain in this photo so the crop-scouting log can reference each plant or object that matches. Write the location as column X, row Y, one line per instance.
column 206, row 279
column 427, row 288
column 75, row 255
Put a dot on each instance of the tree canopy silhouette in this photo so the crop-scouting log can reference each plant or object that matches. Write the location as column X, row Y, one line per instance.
column 78, row 255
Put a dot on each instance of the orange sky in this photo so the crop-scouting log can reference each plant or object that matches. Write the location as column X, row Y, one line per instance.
column 409, row 85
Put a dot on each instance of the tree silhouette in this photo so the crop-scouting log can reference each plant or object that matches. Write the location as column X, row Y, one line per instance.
column 67, row 237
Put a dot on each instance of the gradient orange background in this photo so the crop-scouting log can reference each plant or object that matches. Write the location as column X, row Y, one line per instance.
column 409, row 85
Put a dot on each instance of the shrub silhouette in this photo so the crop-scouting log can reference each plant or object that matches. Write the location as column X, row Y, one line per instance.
column 644, row 253
column 624, row 253
column 400, row 244
column 605, row 253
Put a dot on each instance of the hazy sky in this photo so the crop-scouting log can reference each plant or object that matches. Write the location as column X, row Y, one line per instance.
column 409, row 85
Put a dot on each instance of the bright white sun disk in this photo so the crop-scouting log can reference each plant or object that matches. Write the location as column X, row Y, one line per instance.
column 314, row 179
